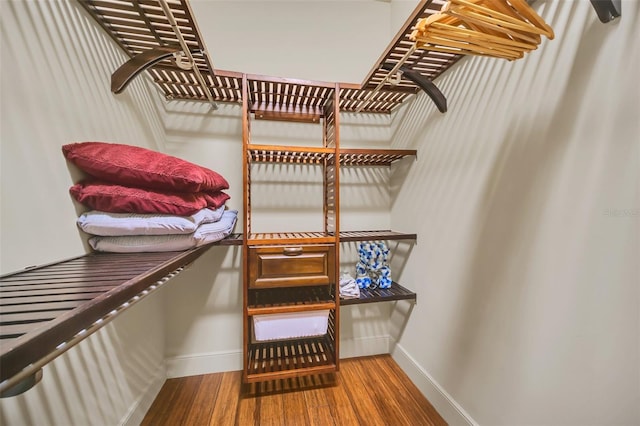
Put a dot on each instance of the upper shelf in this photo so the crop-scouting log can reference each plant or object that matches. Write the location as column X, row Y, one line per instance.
column 142, row 25
column 428, row 63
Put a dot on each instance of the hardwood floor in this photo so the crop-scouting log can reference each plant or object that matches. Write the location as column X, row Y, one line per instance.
column 366, row 391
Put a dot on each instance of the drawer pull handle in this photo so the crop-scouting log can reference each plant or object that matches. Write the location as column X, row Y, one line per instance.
column 292, row 251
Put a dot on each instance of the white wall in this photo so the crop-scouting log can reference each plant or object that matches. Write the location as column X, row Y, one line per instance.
column 526, row 202
column 56, row 72
column 56, row 67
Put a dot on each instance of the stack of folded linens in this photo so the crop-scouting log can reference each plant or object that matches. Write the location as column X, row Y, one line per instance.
column 143, row 200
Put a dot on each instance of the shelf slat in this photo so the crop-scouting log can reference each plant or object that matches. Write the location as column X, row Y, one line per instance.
column 267, row 238
column 231, row 240
column 317, row 237
column 349, row 236
column 289, row 154
column 37, row 336
column 291, row 358
column 290, row 299
column 395, row 292
column 284, row 309
column 373, row 157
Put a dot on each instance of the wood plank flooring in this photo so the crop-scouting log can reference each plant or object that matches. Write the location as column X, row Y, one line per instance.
column 366, row 391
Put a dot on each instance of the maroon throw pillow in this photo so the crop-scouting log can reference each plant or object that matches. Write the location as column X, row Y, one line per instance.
column 215, row 199
column 139, row 167
column 113, row 198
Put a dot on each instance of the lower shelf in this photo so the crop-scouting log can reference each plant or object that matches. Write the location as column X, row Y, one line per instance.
column 395, row 292
column 291, row 358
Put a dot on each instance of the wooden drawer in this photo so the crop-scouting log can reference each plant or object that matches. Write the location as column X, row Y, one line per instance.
column 286, row 266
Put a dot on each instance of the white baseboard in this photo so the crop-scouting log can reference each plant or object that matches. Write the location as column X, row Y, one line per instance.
column 139, row 408
column 444, row 403
column 214, row 362
column 364, row 346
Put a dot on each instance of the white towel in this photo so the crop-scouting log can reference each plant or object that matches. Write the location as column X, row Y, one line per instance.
column 348, row 287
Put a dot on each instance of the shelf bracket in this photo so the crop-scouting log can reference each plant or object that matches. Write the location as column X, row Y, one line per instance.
column 424, row 83
column 607, row 10
column 121, row 78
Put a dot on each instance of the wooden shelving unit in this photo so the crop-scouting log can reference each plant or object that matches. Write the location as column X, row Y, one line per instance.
column 296, row 272
column 291, row 272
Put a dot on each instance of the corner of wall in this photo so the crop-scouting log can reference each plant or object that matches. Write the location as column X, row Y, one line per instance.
column 140, row 407
column 441, row 400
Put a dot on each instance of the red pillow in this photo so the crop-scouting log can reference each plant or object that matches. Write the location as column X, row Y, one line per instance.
column 139, row 167
column 112, row 198
column 215, row 199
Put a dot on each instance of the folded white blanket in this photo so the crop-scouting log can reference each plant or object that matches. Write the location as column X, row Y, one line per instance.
column 348, row 287
column 116, row 224
column 204, row 234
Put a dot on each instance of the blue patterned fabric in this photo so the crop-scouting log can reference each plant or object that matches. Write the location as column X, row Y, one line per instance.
column 372, row 269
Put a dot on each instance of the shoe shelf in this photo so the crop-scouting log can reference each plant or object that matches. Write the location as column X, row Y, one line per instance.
column 282, row 359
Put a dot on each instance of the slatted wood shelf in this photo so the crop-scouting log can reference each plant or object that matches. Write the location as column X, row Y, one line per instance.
column 290, row 238
column 289, row 358
column 141, row 25
column 373, row 157
column 231, row 240
column 394, row 293
column 289, row 154
column 350, row 236
column 45, row 306
column 428, row 63
column 290, row 299
column 352, row 97
column 317, row 155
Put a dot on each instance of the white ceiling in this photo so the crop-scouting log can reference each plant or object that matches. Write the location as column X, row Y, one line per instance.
column 327, row 40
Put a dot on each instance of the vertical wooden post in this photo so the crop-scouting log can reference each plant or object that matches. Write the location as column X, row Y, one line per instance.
column 246, row 190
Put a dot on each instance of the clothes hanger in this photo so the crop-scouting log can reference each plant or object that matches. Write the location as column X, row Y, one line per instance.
column 467, row 9
column 443, row 29
column 500, row 40
column 523, row 8
column 485, row 27
column 507, row 25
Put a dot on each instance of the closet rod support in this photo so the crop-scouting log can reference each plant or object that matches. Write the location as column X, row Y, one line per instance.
column 425, row 84
column 121, row 77
column 185, row 48
column 387, row 77
column 607, row 10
